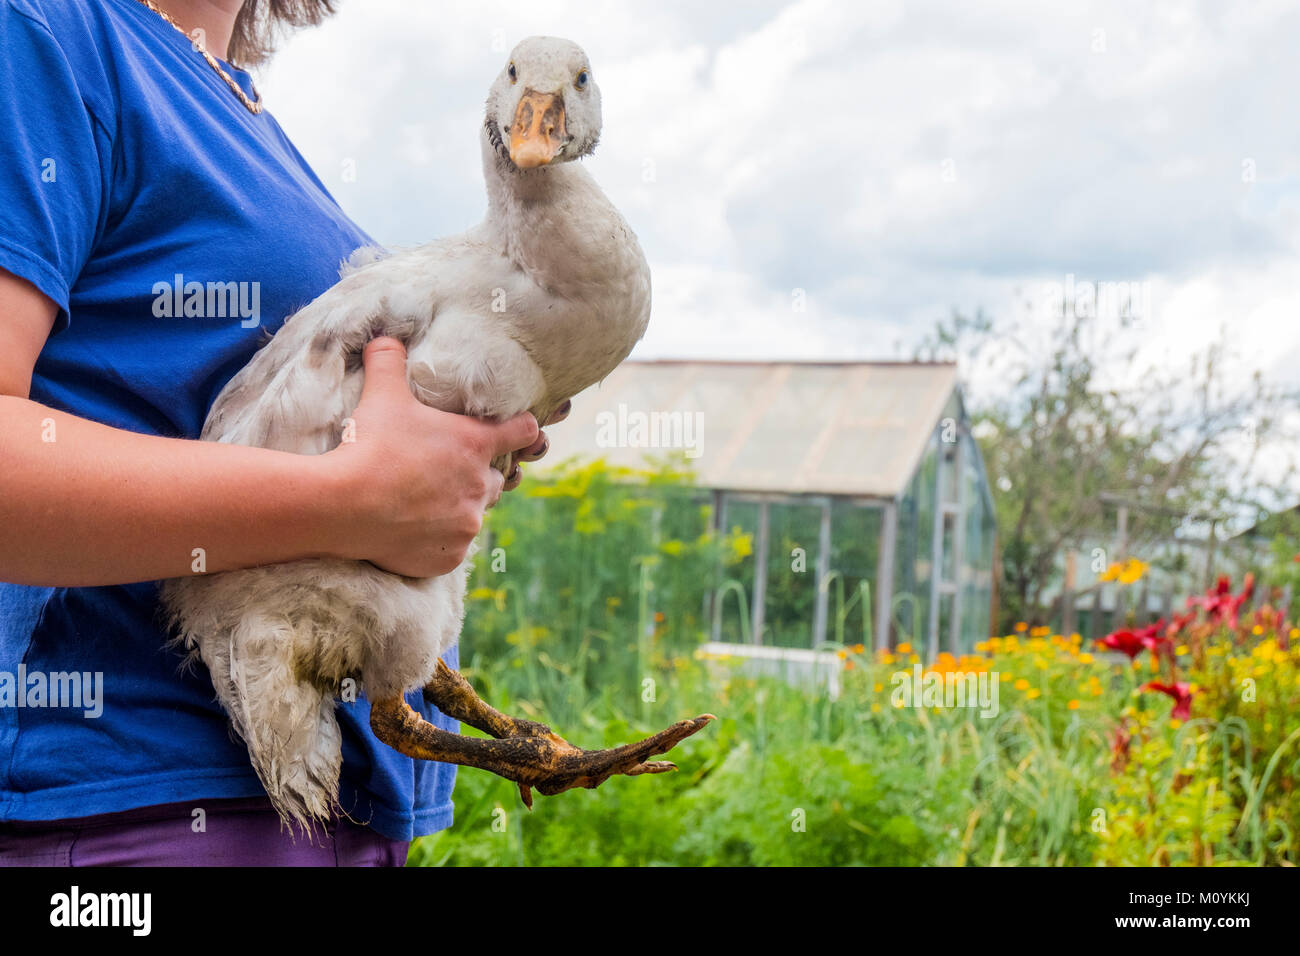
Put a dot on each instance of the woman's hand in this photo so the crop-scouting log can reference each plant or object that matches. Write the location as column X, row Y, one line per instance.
column 414, row 484
column 538, row 448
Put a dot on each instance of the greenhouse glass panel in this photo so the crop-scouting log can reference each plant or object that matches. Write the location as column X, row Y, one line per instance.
column 791, row 595
column 977, row 551
column 735, row 596
column 855, row 551
column 910, row 604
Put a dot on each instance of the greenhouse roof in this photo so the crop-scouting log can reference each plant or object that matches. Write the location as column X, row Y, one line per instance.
column 843, row 428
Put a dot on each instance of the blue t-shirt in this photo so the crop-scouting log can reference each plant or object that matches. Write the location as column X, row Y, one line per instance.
column 128, row 172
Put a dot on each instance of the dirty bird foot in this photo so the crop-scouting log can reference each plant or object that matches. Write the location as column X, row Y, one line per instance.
column 525, row 751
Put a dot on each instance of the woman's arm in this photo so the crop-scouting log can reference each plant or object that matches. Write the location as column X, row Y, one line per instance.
column 84, row 504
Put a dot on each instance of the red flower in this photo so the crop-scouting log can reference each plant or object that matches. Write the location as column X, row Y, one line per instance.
column 1220, row 605
column 1181, row 694
column 1180, row 621
column 1154, row 640
column 1126, row 642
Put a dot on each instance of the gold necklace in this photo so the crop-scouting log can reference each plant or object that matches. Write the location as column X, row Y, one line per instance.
column 253, row 107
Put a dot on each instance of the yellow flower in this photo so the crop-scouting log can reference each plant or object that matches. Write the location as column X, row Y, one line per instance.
column 904, row 648
column 1072, row 705
column 875, row 708
column 1021, row 627
column 1034, row 693
column 878, row 688
column 859, row 648
column 1181, row 650
column 1133, row 571
column 1021, row 684
column 1085, row 658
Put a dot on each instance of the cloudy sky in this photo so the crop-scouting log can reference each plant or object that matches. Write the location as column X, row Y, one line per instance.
column 892, row 161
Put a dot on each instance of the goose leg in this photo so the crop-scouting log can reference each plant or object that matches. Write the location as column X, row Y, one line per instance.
column 452, row 694
column 532, row 755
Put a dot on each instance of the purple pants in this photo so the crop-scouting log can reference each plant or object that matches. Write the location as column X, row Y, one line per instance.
column 243, row 832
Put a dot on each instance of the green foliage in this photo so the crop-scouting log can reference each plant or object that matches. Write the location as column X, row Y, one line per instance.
column 586, row 579
column 570, row 632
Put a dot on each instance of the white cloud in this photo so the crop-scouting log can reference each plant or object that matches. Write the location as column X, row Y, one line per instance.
column 892, row 160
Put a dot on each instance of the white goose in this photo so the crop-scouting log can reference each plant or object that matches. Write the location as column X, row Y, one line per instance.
column 542, row 299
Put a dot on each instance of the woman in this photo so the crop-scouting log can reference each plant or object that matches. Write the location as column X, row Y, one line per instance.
column 155, row 225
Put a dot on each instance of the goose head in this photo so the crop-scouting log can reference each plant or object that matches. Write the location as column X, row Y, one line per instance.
column 544, row 107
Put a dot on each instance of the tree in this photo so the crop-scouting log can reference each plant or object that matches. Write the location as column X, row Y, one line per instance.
column 1082, row 415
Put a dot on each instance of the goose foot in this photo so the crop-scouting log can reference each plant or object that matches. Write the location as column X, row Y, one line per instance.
column 525, row 751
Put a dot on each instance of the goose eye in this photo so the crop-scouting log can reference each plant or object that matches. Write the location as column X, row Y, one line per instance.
column 514, row 74
column 582, row 79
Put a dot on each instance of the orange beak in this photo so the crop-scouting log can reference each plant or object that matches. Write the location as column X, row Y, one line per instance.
column 537, row 134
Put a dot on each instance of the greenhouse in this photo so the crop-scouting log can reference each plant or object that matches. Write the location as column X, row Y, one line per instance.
column 857, row 486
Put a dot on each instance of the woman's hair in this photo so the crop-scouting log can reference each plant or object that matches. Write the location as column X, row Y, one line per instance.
column 260, row 24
